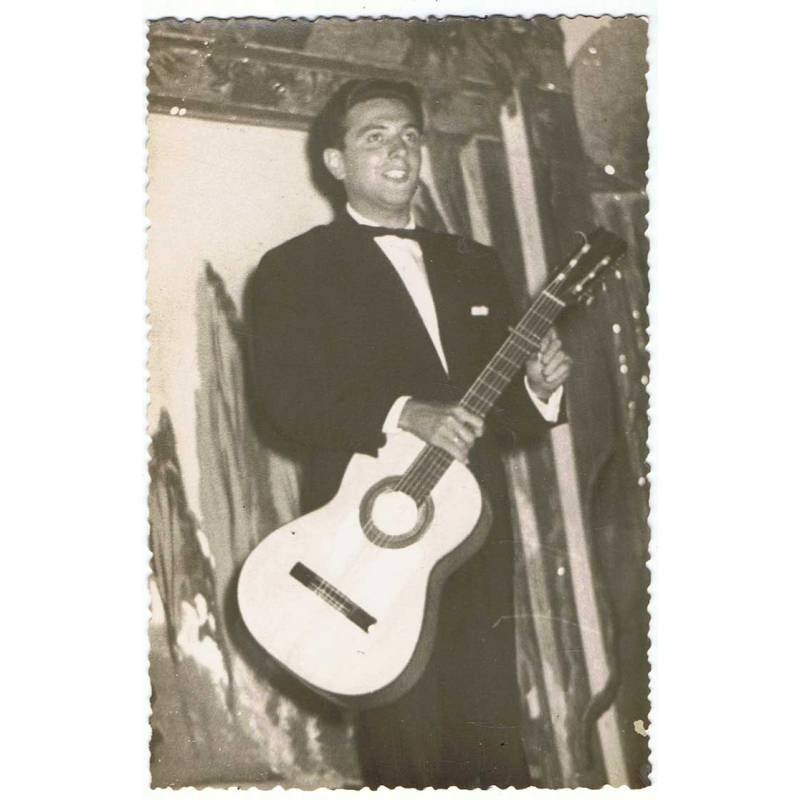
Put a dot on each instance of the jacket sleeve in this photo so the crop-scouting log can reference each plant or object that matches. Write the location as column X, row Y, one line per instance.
column 294, row 386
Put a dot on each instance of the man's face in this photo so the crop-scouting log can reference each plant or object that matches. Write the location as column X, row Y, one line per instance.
column 380, row 160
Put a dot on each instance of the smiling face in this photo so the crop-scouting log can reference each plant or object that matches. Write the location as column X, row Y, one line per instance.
column 379, row 161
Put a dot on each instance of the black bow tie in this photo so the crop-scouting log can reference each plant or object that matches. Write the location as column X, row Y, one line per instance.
column 418, row 234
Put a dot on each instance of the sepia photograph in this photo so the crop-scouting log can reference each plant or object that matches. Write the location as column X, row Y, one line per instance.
column 398, row 366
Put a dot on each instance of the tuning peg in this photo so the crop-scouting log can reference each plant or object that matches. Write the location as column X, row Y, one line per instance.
column 586, row 298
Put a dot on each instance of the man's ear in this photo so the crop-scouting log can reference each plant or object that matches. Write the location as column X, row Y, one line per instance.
column 334, row 161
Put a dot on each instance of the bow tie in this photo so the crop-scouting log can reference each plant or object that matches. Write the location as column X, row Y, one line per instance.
column 418, row 234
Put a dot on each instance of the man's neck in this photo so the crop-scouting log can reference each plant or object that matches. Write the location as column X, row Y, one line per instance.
column 398, row 220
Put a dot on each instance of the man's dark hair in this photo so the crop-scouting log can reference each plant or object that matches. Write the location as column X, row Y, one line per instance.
column 328, row 129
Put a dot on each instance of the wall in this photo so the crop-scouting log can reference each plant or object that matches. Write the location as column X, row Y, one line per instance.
column 225, row 194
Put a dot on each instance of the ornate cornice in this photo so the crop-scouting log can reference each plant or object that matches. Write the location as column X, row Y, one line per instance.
column 260, row 84
column 281, row 73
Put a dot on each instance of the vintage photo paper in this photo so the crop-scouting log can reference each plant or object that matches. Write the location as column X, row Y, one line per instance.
column 431, row 623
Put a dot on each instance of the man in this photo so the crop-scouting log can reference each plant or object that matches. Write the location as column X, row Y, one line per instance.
column 354, row 333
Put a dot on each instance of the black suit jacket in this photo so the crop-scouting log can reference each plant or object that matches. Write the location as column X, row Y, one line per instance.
column 332, row 339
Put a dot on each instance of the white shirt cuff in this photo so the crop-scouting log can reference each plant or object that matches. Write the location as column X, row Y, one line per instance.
column 550, row 409
column 393, row 417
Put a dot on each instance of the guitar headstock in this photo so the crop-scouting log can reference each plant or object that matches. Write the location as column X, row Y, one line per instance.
column 575, row 281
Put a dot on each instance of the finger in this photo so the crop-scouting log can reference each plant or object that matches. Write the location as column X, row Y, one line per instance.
column 466, row 417
column 453, row 430
column 533, row 370
column 560, row 375
column 555, row 363
column 551, row 351
column 451, row 445
column 461, row 431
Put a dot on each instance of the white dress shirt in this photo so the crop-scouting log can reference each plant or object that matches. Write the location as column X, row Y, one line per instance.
column 405, row 256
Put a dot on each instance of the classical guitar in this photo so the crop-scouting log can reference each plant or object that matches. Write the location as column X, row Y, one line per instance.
column 346, row 597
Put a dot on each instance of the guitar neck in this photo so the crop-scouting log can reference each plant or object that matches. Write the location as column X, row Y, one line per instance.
column 598, row 250
column 523, row 340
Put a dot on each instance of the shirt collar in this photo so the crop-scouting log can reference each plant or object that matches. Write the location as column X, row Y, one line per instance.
column 362, row 220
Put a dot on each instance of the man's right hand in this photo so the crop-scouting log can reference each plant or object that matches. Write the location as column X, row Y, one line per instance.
column 445, row 425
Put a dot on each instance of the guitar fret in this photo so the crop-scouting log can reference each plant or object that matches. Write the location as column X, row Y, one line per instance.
column 483, row 387
column 549, row 296
column 533, row 343
column 505, row 358
column 524, row 339
column 522, row 351
column 487, row 387
column 496, row 371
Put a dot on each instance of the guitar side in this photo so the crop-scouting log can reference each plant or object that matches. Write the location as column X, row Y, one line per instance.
column 422, row 653
column 346, row 597
column 348, row 616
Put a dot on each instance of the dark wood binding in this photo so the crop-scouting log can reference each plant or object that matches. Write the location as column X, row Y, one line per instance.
column 571, row 283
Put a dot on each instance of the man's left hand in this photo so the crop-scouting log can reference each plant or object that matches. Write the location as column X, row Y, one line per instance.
column 549, row 368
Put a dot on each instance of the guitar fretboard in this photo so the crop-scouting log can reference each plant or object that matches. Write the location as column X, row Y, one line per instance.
column 523, row 340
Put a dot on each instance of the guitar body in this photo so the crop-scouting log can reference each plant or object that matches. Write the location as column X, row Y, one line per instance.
column 346, row 597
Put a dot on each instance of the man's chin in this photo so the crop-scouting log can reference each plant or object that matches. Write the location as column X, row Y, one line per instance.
column 401, row 195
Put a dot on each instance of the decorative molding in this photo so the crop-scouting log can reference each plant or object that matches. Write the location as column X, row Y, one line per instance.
column 196, row 78
column 259, row 84
column 233, row 70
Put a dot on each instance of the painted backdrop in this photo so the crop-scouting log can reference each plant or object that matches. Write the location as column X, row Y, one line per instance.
column 537, row 129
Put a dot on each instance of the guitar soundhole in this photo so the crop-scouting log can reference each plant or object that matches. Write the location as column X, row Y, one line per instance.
column 393, row 519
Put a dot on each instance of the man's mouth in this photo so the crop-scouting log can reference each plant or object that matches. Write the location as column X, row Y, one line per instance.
column 396, row 174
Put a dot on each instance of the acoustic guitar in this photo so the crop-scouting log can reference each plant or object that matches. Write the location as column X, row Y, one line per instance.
column 346, row 597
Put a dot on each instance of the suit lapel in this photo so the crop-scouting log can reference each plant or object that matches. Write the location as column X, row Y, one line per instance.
column 446, row 279
column 372, row 273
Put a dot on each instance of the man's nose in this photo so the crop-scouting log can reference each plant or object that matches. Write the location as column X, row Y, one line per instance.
column 398, row 145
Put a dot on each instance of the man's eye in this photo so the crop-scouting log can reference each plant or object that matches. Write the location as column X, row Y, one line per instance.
column 376, row 137
column 412, row 137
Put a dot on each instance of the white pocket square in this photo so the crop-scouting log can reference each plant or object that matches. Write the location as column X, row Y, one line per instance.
column 479, row 311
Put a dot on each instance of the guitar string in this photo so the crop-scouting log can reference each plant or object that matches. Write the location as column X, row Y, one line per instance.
column 431, row 463
column 496, row 383
column 549, row 295
column 491, row 380
column 486, row 379
column 328, row 595
column 434, row 461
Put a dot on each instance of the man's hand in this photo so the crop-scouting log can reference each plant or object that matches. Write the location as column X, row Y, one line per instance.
column 549, row 368
column 445, row 425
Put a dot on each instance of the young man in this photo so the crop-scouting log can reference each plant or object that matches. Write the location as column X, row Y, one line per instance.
column 355, row 332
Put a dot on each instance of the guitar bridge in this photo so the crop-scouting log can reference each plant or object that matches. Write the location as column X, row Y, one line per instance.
column 332, row 596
